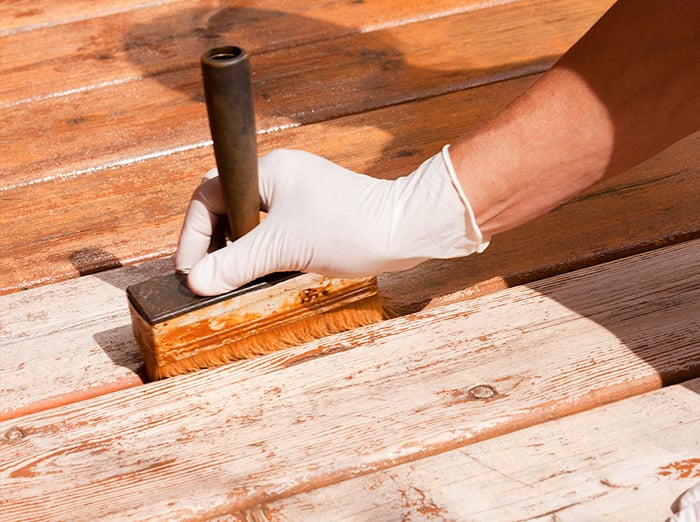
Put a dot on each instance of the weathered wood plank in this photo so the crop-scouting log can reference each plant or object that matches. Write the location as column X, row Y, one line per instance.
column 133, row 212
column 70, row 135
column 64, row 342
column 146, row 39
column 625, row 461
column 271, row 427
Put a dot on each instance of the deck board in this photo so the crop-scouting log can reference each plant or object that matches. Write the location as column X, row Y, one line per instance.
column 595, row 465
column 22, row 16
column 89, row 322
column 115, row 122
column 104, row 136
column 134, row 211
column 148, row 39
column 553, row 348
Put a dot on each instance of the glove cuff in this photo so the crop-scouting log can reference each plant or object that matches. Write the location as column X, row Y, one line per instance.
column 473, row 231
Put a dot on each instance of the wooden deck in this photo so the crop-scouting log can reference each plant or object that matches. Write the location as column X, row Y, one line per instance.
column 554, row 377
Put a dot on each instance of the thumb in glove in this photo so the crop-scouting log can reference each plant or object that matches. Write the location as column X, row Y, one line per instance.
column 326, row 219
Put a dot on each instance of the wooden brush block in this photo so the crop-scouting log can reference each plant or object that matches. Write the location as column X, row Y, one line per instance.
column 179, row 332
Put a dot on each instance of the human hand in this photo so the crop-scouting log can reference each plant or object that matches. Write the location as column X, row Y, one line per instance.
column 325, row 219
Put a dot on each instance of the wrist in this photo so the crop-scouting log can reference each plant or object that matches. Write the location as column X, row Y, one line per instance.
column 430, row 218
column 472, row 228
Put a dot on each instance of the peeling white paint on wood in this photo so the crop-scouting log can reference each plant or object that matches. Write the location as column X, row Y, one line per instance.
column 625, row 461
column 270, row 428
column 69, row 340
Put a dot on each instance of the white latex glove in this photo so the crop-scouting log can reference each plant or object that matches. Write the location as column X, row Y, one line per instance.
column 688, row 508
column 325, row 219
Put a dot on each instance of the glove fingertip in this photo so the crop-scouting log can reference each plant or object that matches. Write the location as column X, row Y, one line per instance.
column 204, row 279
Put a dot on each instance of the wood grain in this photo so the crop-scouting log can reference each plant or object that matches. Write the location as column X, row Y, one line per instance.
column 89, row 47
column 625, row 461
column 104, row 137
column 23, row 16
column 128, row 121
column 557, row 347
column 64, row 342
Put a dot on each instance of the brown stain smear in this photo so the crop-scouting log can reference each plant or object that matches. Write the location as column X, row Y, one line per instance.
column 681, row 469
column 416, row 500
column 311, row 294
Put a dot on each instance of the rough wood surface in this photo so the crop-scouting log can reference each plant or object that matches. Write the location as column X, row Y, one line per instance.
column 403, row 392
column 595, row 465
column 89, row 322
column 64, row 342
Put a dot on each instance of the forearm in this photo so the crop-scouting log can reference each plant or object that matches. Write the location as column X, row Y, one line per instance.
column 624, row 92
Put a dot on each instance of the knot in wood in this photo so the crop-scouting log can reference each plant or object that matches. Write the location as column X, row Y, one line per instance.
column 14, row 434
column 482, row 391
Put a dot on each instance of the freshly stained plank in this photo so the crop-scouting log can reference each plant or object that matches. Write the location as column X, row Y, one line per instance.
column 133, row 212
column 624, row 461
column 151, row 39
column 123, row 122
column 21, row 15
column 271, row 427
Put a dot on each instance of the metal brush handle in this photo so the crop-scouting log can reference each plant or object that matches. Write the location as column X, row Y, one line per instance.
column 229, row 99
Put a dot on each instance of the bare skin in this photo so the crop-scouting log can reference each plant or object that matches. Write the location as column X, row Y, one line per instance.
column 626, row 91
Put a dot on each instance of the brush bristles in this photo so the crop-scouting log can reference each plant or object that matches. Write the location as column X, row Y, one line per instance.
column 352, row 315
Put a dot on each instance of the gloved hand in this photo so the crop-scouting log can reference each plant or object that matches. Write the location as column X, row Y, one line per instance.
column 325, row 219
column 688, row 506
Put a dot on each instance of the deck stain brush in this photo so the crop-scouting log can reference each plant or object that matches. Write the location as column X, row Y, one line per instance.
column 178, row 331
